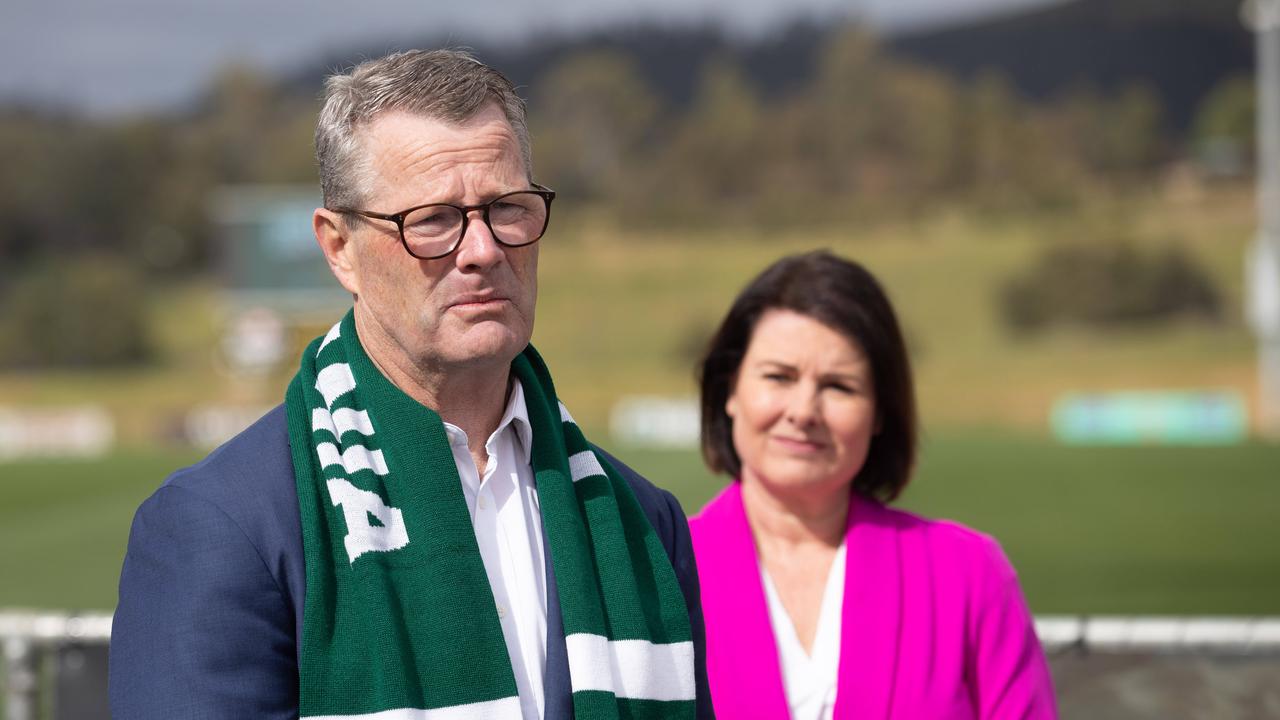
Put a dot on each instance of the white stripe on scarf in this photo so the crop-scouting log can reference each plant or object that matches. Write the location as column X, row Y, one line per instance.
column 584, row 465
column 636, row 669
column 341, row 420
column 353, row 459
column 504, row 709
column 335, row 381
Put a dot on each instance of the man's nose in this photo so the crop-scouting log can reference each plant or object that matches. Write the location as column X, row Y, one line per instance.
column 478, row 248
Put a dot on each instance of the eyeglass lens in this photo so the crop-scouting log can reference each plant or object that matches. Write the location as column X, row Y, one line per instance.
column 515, row 219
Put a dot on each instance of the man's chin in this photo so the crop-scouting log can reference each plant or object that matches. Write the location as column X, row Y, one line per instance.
column 490, row 342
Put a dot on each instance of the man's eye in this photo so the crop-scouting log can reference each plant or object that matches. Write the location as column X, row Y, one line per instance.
column 436, row 218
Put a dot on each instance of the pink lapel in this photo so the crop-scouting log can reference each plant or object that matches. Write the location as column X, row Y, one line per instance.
column 742, row 657
column 871, row 619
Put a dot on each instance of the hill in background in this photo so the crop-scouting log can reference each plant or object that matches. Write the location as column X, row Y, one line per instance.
column 1181, row 50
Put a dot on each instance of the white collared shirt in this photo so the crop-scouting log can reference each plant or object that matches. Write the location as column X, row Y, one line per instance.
column 508, row 526
column 810, row 681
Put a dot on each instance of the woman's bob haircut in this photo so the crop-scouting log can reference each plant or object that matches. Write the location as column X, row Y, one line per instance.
column 845, row 297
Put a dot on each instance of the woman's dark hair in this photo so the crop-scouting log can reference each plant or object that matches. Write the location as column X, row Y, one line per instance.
column 842, row 295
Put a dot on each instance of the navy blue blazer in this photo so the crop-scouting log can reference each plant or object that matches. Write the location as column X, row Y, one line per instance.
column 209, row 622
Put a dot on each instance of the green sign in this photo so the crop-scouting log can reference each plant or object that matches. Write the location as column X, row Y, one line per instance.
column 269, row 253
column 1205, row 417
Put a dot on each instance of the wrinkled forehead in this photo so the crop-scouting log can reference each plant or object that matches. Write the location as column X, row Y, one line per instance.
column 397, row 145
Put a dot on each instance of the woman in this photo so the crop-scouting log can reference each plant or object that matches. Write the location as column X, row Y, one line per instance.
column 820, row 601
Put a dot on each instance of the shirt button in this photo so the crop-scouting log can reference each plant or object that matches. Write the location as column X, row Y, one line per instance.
column 502, row 612
column 480, row 502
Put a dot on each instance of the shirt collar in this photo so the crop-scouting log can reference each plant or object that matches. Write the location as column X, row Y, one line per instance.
column 517, row 415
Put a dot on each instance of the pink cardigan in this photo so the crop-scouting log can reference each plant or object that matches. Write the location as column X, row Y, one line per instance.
column 933, row 623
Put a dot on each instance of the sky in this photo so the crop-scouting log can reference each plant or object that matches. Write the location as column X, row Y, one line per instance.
column 126, row 56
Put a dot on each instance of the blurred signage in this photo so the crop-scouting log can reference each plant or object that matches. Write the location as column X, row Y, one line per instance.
column 650, row 421
column 1207, row 417
column 269, row 253
column 255, row 341
column 208, row 426
column 80, row 432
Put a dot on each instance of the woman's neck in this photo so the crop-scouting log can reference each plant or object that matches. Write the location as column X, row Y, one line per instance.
column 809, row 518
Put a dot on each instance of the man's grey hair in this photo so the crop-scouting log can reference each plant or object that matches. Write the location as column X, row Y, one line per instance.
column 447, row 85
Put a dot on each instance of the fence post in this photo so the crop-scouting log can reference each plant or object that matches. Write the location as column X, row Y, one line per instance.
column 21, row 687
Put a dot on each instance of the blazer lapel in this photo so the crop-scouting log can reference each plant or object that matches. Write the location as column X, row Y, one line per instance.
column 557, row 687
column 742, row 656
column 872, row 614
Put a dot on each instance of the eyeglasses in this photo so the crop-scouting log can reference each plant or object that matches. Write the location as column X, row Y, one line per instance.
column 429, row 232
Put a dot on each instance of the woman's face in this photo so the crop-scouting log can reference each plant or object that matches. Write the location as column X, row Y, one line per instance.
column 803, row 406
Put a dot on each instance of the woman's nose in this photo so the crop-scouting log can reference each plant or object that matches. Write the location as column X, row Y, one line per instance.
column 802, row 405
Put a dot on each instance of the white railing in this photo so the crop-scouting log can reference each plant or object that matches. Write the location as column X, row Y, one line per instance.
column 1103, row 633
column 27, row 636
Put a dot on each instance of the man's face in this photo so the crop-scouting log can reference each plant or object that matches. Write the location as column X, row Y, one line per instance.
column 473, row 308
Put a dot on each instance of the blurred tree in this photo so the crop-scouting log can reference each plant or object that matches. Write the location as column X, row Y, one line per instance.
column 916, row 128
column 711, row 167
column 1007, row 153
column 78, row 311
column 594, row 119
column 229, row 134
column 245, row 132
column 1113, row 139
column 991, row 133
column 1133, row 131
column 73, row 185
column 843, row 105
column 32, row 205
column 1224, row 134
column 1108, row 284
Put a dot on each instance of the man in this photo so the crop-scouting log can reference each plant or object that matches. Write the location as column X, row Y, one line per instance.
column 420, row 531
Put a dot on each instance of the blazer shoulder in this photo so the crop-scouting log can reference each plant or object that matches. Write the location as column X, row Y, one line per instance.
column 251, row 469
column 209, row 614
column 948, row 541
column 250, row 479
column 660, row 506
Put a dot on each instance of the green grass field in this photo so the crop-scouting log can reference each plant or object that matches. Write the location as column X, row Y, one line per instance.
column 1138, row 530
column 1091, row 530
column 1124, row 530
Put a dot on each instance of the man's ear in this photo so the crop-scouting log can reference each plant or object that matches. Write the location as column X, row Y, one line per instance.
column 335, row 241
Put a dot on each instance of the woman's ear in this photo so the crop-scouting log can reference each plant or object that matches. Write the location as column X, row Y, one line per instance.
column 731, row 403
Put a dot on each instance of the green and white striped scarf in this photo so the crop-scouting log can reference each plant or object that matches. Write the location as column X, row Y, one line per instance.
column 400, row 622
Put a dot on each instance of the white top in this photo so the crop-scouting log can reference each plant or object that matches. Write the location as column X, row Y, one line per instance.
column 508, row 526
column 809, row 681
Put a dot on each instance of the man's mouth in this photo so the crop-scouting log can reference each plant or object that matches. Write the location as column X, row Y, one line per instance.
column 479, row 301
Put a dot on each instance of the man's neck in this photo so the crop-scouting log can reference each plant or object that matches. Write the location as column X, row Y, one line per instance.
column 472, row 397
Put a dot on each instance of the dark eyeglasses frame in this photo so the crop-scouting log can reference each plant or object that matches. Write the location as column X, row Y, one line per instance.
column 547, row 195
